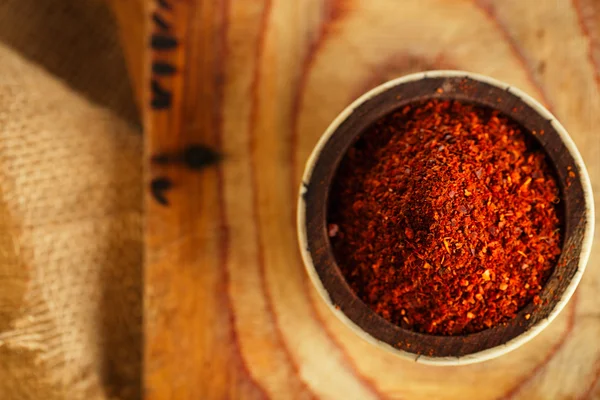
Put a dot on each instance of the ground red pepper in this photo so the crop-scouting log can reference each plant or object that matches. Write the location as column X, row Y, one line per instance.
column 443, row 218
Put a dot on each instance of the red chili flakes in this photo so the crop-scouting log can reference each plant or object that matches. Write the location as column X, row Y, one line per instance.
column 449, row 218
column 333, row 230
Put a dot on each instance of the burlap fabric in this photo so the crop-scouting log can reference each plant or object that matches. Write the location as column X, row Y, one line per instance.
column 70, row 206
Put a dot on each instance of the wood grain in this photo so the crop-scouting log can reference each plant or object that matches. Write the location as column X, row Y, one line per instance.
column 131, row 19
column 229, row 309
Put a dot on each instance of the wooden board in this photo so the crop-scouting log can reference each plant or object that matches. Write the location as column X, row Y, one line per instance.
column 229, row 311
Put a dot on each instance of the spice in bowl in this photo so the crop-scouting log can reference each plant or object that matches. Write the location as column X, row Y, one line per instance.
column 444, row 218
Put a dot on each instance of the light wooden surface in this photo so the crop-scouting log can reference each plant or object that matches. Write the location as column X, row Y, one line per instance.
column 229, row 310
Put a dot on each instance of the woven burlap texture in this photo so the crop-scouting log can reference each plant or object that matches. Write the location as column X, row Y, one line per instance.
column 70, row 241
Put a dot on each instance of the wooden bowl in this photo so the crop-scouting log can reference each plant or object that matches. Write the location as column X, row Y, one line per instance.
column 319, row 260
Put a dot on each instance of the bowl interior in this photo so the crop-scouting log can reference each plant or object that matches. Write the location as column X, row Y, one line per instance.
column 575, row 195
